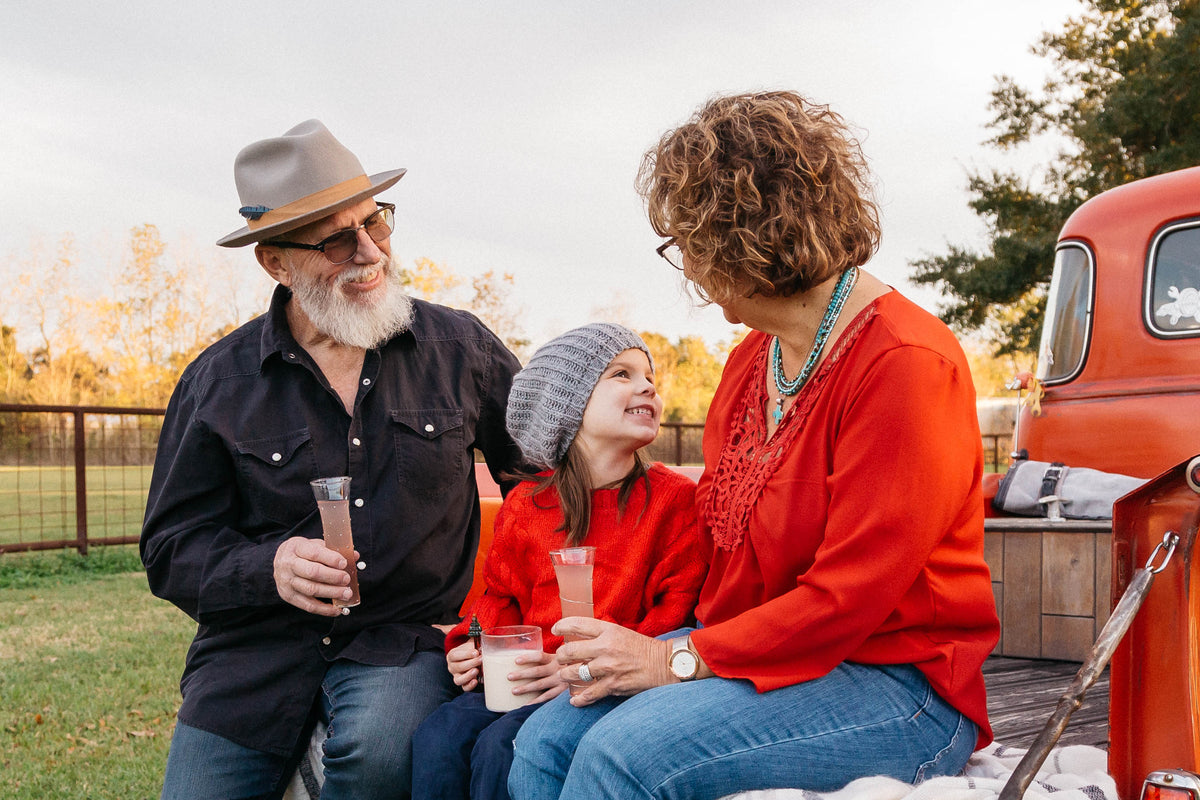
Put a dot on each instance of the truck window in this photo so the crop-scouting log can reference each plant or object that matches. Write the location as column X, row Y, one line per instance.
column 1173, row 281
column 1068, row 315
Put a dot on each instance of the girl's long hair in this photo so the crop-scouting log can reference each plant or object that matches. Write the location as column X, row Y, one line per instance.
column 573, row 484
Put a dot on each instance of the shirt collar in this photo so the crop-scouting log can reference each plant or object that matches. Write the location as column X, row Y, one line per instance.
column 276, row 335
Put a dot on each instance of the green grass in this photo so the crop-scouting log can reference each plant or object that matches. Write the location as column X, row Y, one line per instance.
column 61, row 567
column 89, row 670
column 38, row 503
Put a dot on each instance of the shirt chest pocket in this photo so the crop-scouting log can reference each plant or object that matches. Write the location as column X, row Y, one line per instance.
column 431, row 453
column 274, row 473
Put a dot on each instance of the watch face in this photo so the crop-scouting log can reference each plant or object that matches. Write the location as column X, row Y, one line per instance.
column 684, row 664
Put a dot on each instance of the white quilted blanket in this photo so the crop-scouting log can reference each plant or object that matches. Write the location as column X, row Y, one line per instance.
column 1074, row 772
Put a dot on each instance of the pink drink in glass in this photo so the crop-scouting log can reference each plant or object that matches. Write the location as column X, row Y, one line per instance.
column 333, row 501
column 573, row 569
column 575, row 589
column 335, row 524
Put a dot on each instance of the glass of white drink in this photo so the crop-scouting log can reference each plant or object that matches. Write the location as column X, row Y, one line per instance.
column 501, row 646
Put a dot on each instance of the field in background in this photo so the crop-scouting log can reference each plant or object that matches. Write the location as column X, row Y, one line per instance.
column 89, row 676
column 38, row 503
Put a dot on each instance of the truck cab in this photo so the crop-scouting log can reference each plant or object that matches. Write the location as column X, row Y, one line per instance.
column 1117, row 389
column 1118, row 378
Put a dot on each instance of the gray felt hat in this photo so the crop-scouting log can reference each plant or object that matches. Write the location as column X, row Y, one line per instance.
column 545, row 406
column 289, row 181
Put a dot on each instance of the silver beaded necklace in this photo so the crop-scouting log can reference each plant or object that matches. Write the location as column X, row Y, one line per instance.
column 788, row 388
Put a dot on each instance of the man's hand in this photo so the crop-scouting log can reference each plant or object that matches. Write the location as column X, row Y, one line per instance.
column 305, row 569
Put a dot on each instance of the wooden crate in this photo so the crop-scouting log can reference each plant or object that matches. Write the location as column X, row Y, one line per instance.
column 1051, row 583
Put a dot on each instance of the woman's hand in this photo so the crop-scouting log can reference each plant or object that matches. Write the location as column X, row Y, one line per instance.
column 621, row 662
column 542, row 674
column 464, row 663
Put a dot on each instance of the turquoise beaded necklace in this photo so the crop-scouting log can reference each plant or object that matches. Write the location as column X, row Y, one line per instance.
column 788, row 388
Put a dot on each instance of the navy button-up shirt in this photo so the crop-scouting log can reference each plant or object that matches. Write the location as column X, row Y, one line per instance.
column 251, row 422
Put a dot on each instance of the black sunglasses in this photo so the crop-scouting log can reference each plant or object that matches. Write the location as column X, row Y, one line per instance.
column 340, row 247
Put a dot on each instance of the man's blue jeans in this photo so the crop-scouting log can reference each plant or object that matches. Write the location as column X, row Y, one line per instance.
column 713, row 737
column 372, row 713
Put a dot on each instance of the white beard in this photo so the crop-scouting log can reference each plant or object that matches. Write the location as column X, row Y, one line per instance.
column 366, row 322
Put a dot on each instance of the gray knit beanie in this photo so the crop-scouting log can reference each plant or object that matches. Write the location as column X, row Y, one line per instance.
column 545, row 406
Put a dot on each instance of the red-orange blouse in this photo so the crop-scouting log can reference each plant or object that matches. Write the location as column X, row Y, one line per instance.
column 856, row 532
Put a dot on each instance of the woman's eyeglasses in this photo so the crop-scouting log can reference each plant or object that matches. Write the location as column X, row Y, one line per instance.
column 671, row 252
column 340, row 247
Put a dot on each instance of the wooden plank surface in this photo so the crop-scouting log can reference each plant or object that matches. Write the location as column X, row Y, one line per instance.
column 1023, row 694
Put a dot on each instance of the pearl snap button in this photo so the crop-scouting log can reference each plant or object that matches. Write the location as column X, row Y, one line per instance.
column 356, row 441
column 275, row 456
column 366, row 381
column 361, row 565
column 358, row 503
column 429, row 429
column 326, row 640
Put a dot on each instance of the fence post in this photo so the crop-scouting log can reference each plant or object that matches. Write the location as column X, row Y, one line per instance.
column 81, row 533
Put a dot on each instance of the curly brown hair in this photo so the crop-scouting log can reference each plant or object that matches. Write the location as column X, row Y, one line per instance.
column 766, row 193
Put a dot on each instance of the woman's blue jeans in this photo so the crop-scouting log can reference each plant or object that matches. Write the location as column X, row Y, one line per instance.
column 713, row 737
column 372, row 713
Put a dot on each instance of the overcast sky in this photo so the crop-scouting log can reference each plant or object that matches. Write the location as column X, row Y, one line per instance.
column 521, row 124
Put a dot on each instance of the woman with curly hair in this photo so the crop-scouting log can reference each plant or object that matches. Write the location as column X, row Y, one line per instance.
column 848, row 609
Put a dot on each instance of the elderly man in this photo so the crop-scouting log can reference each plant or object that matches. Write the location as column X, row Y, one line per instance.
column 344, row 375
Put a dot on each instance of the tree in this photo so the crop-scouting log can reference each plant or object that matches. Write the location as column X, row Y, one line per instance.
column 686, row 374
column 58, row 368
column 490, row 298
column 119, row 339
column 492, row 301
column 1124, row 107
column 14, row 367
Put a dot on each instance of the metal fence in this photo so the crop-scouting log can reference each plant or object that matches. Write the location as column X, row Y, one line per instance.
column 74, row 476
column 77, row 476
column 997, row 451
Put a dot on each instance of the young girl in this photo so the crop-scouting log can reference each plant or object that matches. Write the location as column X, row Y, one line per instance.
column 582, row 407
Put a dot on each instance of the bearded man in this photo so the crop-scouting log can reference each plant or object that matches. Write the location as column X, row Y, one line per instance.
column 345, row 375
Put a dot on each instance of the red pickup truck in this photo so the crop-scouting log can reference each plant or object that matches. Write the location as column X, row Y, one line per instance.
column 1118, row 390
column 1119, row 362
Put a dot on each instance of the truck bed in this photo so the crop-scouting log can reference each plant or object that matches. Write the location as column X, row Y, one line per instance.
column 1023, row 693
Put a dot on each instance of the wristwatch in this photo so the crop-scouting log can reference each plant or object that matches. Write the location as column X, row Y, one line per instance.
column 683, row 662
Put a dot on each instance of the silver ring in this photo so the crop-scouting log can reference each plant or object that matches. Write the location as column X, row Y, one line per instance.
column 585, row 674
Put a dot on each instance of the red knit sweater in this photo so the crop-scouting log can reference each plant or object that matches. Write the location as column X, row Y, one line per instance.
column 649, row 564
column 856, row 532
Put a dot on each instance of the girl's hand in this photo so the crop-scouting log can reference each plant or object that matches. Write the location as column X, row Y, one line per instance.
column 621, row 662
column 542, row 674
column 464, row 663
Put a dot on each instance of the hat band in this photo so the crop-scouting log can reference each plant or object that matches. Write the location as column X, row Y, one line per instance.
column 313, row 202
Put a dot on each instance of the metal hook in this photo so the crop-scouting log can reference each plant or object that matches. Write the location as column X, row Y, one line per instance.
column 1170, row 539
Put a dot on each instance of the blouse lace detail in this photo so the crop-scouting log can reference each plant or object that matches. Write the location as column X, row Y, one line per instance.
column 748, row 459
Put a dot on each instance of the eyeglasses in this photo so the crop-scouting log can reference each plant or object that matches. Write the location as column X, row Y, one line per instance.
column 340, row 247
column 670, row 251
